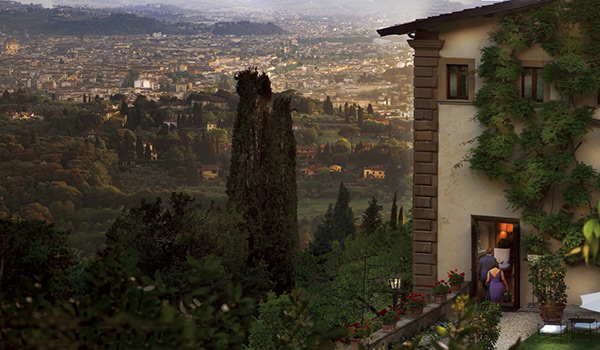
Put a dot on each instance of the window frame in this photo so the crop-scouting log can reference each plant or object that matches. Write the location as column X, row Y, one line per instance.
column 534, row 88
column 462, row 75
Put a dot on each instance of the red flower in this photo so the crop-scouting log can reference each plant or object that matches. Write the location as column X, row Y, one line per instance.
column 449, row 291
column 383, row 312
column 442, row 281
column 397, row 318
column 402, row 310
column 462, row 273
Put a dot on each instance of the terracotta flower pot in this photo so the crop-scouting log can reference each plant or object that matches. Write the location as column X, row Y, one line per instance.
column 388, row 326
column 551, row 314
column 455, row 287
column 414, row 313
column 440, row 298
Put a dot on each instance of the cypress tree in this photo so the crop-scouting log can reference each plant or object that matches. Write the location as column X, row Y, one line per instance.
column 394, row 214
column 370, row 109
column 321, row 243
column 343, row 217
column 148, row 152
column 262, row 182
column 401, row 216
column 139, row 148
column 371, row 218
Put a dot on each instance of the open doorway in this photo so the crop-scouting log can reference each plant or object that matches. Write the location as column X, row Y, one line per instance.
column 502, row 235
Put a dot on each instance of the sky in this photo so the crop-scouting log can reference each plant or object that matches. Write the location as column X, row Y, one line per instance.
column 402, row 10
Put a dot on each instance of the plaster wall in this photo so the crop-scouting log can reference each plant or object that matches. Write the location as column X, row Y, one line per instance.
column 462, row 193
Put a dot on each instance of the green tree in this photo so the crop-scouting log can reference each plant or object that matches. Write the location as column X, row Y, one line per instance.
column 33, row 252
column 343, row 217
column 328, row 106
column 394, row 212
column 371, row 218
column 262, row 181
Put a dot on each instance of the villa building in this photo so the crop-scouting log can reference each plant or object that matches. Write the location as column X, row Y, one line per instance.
column 454, row 208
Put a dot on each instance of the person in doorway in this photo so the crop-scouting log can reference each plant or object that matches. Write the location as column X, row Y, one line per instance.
column 496, row 283
column 485, row 264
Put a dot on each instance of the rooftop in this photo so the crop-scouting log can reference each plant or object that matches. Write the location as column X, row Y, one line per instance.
column 488, row 10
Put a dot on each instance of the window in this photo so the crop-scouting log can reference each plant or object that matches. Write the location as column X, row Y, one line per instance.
column 458, row 82
column 532, row 85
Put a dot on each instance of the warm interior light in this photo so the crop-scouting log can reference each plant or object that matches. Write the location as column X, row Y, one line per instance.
column 502, row 235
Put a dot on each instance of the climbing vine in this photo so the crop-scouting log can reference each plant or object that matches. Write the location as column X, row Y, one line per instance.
column 533, row 146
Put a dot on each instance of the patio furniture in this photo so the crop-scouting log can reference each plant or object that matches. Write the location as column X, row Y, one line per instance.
column 578, row 324
column 552, row 330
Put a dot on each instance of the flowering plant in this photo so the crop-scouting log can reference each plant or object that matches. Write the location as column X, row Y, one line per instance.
column 456, row 278
column 415, row 301
column 440, row 287
column 390, row 315
column 368, row 328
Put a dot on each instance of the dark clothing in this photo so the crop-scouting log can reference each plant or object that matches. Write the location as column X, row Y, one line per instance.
column 484, row 292
column 496, row 287
column 485, row 264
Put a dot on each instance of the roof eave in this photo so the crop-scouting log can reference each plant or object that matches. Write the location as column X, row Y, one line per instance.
column 489, row 10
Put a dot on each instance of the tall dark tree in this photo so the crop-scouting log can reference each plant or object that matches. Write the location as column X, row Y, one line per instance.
column 371, row 218
column 343, row 217
column 361, row 115
column 139, row 147
column 401, row 216
column 370, row 109
column 323, row 237
column 262, row 182
column 328, row 106
column 394, row 213
column 336, row 224
column 148, row 151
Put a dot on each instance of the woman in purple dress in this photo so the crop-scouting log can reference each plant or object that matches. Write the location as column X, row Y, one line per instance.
column 496, row 283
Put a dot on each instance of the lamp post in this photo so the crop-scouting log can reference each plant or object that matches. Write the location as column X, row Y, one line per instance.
column 395, row 283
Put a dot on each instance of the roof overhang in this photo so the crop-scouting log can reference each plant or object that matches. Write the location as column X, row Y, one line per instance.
column 488, row 10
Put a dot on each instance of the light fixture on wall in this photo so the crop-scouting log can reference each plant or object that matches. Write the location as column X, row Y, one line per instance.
column 502, row 235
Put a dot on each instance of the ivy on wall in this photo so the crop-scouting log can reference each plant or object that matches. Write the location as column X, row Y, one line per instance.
column 538, row 161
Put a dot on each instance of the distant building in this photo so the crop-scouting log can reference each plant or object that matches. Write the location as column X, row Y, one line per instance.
column 335, row 168
column 307, row 152
column 211, row 126
column 310, row 172
column 374, row 172
column 10, row 46
column 210, row 171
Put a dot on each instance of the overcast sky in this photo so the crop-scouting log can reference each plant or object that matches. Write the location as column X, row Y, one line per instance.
column 402, row 10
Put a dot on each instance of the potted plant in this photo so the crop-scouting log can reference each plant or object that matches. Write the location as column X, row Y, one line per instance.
column 389, row 317
column 358, row 333
column 440, row 290
column 415, row 304
column 455, row 279
column 547, row 276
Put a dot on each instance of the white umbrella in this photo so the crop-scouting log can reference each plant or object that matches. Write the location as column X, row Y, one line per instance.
column 591, row 301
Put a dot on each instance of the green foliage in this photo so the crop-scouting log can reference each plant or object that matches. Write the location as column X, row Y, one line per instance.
column 475, row 327
column 539, row 162
column 336, row 224
column 547, row 276
column 123, row 309
column 283, row 323
column 262, row 181
column 166, row 235
column 371, row 218
column 485, row 320
column 32, row 252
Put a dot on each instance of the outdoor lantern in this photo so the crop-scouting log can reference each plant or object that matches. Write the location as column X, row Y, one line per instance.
column 395, row 282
